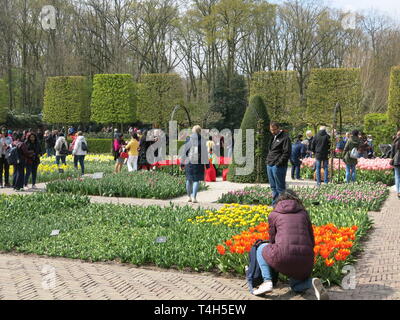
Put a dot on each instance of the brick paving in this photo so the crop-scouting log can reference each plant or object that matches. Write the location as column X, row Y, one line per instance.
column 26, row 277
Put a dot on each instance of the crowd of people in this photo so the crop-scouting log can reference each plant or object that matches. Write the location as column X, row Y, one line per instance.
column 23, row 151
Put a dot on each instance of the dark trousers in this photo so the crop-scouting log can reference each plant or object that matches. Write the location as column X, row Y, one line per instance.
column 296, row 169
column 31, row 169
column 81, row 160
column 19, row 174
column 4, row 167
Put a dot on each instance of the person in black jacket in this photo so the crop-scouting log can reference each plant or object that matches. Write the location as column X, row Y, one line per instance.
column 321, row 146
column 279, row 152
column 395, row 155
column 33, row 159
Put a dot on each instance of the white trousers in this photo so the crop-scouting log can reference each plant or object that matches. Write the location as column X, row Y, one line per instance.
column 132, row 163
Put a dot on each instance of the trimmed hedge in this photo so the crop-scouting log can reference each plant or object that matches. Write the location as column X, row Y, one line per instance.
column 66, row 100
column 98, row 145
column 326, row 87
column 280, row 92
column 113, row 99
column 158, row 95
column 379, row 126
column 256, row 117
column 394, row 97
column 3, row 101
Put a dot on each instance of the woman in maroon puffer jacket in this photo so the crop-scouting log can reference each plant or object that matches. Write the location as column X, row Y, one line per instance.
column 291, row 247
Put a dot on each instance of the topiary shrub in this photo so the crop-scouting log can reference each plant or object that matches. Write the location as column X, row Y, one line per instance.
column 113, row 99
column 98, row 145
column 280, row 92
column 3, row 101
column 66, row 100
column 158, row 96
column 381, row 129
column 394, row 97
column 256, row 117
column 326, row 87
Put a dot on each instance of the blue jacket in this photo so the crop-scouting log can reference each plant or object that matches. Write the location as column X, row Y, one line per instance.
column 298, row 152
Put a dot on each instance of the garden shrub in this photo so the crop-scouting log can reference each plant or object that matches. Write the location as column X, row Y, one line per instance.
column 66, row 100
column 394, row 97
column 158, row 94
column 3, row 101
column 98, row 146
column 326, row 88
column 256, row 117
column 381, row 129
column 113, row 99
column 280, row 92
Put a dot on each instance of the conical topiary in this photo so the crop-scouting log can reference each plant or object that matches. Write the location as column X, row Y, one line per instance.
column 256, row 118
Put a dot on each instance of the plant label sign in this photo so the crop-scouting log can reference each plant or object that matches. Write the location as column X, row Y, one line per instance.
column 98, row 175
column 55, row 233
column 161, row 240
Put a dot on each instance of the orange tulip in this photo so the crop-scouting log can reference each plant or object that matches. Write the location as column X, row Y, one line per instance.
column 329, row 262
column 221, row 249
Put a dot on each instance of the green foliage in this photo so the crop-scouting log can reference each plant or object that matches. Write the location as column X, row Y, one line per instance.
column 66, row 100
column 394, row 97
column 327, row 87
column 256, row 118
column 280, row 92
column 381, row 129
column 113, row 99
column 23, row 121
column 158, row 95
column 3, row 101
column 230, row 100
column 99, row 145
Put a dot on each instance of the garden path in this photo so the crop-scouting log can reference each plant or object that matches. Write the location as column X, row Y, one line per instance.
column 30, row 276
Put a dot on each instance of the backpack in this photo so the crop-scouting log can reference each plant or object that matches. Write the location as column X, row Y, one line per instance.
column 253, row 271
column 64, row 149
column 84, row 146
column 12, row 155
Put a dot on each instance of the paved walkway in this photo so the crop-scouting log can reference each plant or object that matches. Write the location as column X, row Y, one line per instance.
column 34, row 277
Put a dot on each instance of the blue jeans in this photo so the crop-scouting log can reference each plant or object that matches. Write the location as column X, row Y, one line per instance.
column 50, row 152
column 351, row 173
column 62, row 159
column 326, row 170
column 277, row 181
column 192, row 187
column 266, row 271
column 81, row 160
column 397, row 178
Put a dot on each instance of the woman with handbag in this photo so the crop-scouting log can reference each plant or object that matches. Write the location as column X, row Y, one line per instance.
column 351, row 155
column 395, row 155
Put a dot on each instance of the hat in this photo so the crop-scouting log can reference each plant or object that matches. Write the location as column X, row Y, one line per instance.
column 9, row 132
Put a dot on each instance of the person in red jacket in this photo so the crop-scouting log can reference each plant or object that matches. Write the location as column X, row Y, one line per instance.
column 291, row 247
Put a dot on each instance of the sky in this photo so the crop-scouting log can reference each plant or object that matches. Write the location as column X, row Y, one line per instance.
column 390, row 7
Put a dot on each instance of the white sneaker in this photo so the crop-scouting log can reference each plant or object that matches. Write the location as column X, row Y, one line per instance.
column 195, row 200
column 190, row 199
column 26, row 189
column 320, row 292
column 265, row 287
column 34, row 186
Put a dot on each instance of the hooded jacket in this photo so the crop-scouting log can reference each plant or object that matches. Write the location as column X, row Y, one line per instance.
column 396, row 150
column 291, row 248
column 321, row 145
column 77, row 151
column 60, row 141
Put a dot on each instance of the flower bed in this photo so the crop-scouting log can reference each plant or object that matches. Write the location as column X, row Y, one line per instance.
column 368, row 170
column 140, row 184
column 370, row 196
column 105, row 232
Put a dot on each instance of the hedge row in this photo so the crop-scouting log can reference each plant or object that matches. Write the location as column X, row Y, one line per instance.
column 66, row 100
column 379, row 126
column 327, row 87
column 3, row 101
column 394, row 97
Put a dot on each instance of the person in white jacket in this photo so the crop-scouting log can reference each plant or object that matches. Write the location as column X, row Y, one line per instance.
column 61, row 148
column 80, row 151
